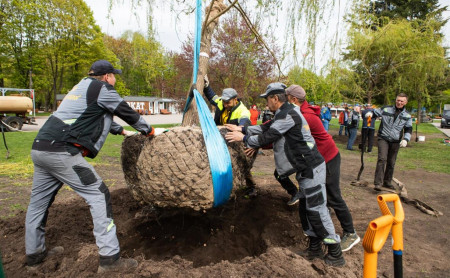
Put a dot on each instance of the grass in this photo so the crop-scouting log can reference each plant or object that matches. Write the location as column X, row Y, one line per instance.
column 19, row 162
column 431, row 155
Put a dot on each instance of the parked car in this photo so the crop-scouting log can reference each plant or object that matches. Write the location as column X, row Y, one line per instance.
column 445, row 121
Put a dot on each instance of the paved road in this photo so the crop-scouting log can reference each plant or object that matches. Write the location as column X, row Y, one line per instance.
column 446, row 131
column 151, row 119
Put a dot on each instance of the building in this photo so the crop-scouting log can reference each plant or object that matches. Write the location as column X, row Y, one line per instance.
column 152, row 105
column 145, row 105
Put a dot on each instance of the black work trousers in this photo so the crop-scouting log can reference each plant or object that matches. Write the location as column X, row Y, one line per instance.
column 367, row 135
column 387, row 155
column 334, row 197
column 286, row 183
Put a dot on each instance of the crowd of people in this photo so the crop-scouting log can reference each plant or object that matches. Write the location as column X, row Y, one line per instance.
column 296, row 130
column 303, row 147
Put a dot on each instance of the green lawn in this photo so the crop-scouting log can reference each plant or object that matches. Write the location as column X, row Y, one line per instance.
column 432, row 155
column 19, row 144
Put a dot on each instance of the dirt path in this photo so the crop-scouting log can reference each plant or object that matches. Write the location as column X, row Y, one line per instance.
column 244, row 238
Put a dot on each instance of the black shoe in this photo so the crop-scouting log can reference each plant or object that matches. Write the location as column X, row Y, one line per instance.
column 120, row 264
column 314, row 250
column 35, row 259
column 388, row 188
column 251, row 192
column 334, row 256
column 294, row 200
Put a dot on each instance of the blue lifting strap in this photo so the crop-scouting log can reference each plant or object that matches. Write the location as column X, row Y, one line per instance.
column 218, row 155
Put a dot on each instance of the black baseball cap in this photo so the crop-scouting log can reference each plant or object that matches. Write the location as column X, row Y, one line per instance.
column 102, row 67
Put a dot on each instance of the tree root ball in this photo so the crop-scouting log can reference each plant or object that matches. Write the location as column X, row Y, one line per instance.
column 172, row 169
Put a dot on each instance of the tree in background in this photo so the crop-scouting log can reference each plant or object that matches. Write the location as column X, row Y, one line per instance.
column 236, row 61
column 142, row 60
column 398, row 57
column 316, row 87
column 48, row 45
column 239, row 61
column 411, row 10
column 21, row 33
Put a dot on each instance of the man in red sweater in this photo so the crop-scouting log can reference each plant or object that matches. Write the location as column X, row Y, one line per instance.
column 327, row 148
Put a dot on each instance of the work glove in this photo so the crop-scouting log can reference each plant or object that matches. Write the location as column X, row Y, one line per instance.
column 403, row 143
column 159, row 131
column 368, row 114
column 205, row 78
column 128, row 133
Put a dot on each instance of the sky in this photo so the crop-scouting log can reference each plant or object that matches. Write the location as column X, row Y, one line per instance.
column 171, row 32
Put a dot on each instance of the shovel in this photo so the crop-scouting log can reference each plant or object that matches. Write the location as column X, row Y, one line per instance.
column 362, row 147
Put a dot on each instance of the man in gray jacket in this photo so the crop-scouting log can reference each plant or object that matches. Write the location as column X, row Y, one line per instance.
column 394, row 132
column 77, row 129
column 295, row 151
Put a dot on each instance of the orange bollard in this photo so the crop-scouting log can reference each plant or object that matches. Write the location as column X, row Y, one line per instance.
column 397, row 228
column 374, row 239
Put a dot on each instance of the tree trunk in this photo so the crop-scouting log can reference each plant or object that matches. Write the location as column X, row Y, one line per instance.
column 191, row 116
column 419, row 111
column 172, row 170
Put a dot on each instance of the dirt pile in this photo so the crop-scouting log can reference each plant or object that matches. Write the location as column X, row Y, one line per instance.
column 245, row 238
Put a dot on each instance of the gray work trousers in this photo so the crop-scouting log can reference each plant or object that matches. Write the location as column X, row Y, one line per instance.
column 314, row 215
column 51, row 171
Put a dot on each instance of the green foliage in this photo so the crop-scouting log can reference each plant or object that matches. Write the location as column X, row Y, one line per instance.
column 316, row 87
column 413, row 10
column 54, row 40
column 399, row 57
column 19, row 144
column 142, row 60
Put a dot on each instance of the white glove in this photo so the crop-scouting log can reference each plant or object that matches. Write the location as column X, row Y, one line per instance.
column 403, row 143
column 205, row 78
column 127, row 133
column 159, row 131
column 368, row 115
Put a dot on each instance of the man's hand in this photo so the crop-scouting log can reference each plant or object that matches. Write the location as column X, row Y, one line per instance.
column 234, row 136
column 232, row 127
column 159, row 131
column 205, row 78
column 250, row 152
column 128, row 133
column 403, row 143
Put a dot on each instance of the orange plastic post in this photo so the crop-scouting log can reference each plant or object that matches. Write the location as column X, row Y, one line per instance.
column 376, row 234
column 397, row 228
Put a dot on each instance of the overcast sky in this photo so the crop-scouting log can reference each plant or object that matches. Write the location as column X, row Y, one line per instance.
column 171, row 33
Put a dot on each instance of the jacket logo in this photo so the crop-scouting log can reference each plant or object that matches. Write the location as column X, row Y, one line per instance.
column 72, row 97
